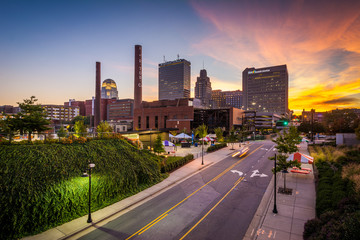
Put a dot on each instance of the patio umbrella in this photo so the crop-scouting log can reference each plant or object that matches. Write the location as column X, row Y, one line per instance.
column 301, row 158
column 182, row 135
column 166, row 143
column 207, row 139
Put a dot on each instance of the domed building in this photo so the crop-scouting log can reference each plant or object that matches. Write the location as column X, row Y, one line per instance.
column 109, row 89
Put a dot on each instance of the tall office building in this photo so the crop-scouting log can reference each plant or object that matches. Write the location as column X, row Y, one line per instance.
column 233, row 98
column 174, row 79
column 203, row 88
column 220, row 99
column 109, row 89
column 217, row 99
column 266, row 89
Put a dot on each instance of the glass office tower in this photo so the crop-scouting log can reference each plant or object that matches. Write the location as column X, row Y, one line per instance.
column 266, row 89
column 174, row 79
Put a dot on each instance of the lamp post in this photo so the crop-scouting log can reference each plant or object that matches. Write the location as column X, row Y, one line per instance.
column 202, row 152
column 91, row 165
column 275, row 209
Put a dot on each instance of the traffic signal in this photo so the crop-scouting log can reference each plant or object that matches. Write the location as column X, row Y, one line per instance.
column 282, row 123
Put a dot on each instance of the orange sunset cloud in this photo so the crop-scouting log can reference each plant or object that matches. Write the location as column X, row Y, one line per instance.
column 318, row 40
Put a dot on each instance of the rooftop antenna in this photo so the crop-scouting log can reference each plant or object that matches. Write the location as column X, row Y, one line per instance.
column 178, row 56
column 203, row 65
column 164, row 58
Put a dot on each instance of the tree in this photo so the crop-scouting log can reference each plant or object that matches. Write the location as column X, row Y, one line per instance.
column 315, row 127
column 357, row 132
column 158, row 146
column 10, row 126
column 242, row 133
column 104, row 129
column 80, row 128
column 174, row 133
column 201, row 131
column 62, row 132
column 232, row 138
column 219, row 134
column 85, row 119
column 32, row 117
column 341, row 121
column 286, row 144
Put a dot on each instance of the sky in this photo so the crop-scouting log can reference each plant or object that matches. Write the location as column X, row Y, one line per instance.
column 48, row 49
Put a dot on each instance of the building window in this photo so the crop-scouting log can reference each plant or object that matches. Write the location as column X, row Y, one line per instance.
column 165, row 119
column 147, row 122
column 139, row 122
column 156, row 122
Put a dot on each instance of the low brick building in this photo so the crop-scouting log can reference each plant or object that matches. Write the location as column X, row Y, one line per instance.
column 164, row 114
column 181, row 114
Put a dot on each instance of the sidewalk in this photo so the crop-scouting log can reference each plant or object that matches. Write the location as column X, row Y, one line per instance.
column 79, row 227
column 293, row 210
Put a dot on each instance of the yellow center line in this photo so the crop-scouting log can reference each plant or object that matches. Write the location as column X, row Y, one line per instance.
column 158, row 219
column 153, row 224
column 237, row 182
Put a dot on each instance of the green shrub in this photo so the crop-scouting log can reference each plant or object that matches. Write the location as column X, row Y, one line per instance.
column 173, row 163
column 337, row 201
column 40, row 186
column 216, row 147
column 311, row 228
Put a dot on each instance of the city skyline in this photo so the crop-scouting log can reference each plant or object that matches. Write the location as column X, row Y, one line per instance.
column 49, row 49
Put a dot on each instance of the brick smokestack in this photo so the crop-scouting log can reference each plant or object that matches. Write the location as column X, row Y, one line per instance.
column 138, row 77
column 97, row 95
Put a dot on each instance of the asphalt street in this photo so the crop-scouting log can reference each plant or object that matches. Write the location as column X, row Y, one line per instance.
column 217, row 203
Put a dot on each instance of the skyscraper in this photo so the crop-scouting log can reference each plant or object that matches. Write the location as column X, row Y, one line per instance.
column 203, row 88
column 174, row 79
column 266, row 89
column 109, row 89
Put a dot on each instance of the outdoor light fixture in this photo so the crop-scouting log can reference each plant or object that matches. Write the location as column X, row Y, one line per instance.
column 202, row 152
column 85, row 174
column 275, row 208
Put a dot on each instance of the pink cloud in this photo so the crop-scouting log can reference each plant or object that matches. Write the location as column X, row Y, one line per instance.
column 318, row 40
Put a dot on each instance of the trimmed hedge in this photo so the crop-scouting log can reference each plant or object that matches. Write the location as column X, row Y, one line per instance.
column 173, row 163
column 216, row 147
column 337, row 202
column 40, row 187
column 331, row 188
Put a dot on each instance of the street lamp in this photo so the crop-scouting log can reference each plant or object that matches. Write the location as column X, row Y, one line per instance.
column 275, row 209
column 85, row 174
column 202, row 152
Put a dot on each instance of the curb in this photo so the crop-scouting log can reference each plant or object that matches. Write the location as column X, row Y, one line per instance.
column 142, row 200
column 260, row 213
column 146, row 198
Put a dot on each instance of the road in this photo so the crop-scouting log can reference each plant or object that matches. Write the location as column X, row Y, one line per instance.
column 217, row 203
